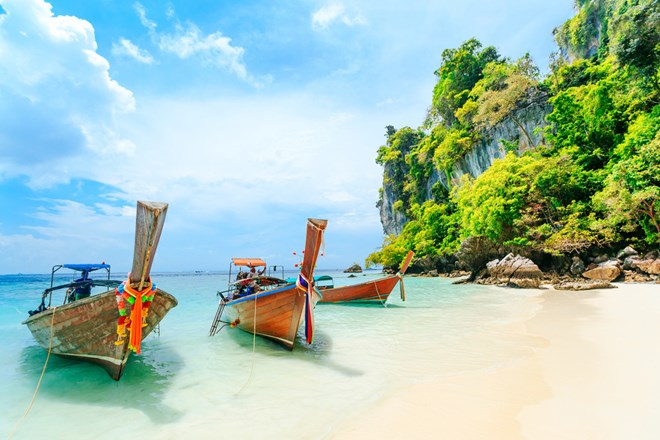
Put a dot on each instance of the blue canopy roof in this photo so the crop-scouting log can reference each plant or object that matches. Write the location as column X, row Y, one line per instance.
column 86, row 267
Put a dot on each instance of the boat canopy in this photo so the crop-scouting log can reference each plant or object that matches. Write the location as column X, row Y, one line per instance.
column 249, row 262
column 86, row 267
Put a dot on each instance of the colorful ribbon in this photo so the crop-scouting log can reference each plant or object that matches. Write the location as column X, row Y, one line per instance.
column 140, row 302
column 303, row 284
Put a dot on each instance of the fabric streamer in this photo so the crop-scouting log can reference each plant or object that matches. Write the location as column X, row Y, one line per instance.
column 140, row 302
column 303, row 284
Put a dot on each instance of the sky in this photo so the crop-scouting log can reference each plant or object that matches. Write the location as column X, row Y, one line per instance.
column 245, row 117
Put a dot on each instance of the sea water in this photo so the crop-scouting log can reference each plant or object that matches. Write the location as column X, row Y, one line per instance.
column 186, row 384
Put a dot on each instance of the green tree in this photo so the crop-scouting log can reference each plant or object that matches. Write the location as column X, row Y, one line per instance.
column 503, row 89
column 630, row 201
column 459, row 71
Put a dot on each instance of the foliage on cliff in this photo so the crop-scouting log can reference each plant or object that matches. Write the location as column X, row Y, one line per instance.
column 595, row 182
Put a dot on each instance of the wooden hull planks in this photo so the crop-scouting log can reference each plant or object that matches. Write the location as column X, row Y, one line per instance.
column 370, row 291
column 86, row 329
column 275, row 314
column 375, row 291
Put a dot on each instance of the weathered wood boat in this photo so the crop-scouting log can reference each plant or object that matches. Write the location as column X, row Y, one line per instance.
column 104, row 328
column 373, row 291
column 271, row 307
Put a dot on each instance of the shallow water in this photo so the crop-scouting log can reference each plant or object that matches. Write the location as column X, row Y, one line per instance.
column 187, row 384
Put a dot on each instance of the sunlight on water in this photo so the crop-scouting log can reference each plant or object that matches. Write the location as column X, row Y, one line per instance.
column 187, row 384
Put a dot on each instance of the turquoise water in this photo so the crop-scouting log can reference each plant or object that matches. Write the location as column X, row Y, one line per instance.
column 187, row 384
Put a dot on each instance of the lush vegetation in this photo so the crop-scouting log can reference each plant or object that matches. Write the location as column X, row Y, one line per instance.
column 593, row 182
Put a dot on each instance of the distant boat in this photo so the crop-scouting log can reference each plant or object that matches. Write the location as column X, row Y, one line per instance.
column 373, row 291
column 269, row 306
column 104, row 328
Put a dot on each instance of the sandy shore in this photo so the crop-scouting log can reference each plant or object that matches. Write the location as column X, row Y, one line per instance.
column 594, row 374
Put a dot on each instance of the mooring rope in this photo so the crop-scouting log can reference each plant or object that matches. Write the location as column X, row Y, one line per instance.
column 378, row 293
column 43, row 371
column 254, row 346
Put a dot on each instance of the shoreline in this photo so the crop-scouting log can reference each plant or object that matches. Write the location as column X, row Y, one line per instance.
column 592, row 374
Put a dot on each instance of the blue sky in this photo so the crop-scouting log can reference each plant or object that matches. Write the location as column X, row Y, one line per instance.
column 246, row 117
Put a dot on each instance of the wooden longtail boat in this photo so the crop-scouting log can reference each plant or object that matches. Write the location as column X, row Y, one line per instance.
column 276, row 309
column 374, row 291
column 87, row 329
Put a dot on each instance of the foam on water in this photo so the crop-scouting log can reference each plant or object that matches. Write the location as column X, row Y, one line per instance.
column 187, row 384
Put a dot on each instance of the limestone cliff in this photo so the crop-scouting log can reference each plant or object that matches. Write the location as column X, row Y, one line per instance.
column 392, row 219
column 493, row 144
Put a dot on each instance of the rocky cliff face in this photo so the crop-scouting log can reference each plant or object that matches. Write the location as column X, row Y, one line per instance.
column 492, row 145
column 391, row 219
column 475, row 162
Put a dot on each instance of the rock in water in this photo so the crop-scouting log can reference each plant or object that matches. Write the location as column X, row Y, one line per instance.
column 354, row 269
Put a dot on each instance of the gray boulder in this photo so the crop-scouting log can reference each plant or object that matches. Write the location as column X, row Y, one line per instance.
column 627, row 252
column 577, row 267
column 630, row 262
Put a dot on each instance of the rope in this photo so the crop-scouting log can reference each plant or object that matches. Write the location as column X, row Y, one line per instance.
column 254, row 346
column 43, row 371
column 378, row 293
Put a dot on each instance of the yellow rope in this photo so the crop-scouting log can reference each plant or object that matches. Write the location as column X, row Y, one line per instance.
column 378, row 293
column 254, row 345
column 43, row 371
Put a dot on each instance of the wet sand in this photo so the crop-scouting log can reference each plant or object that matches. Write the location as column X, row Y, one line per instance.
column 593, row 372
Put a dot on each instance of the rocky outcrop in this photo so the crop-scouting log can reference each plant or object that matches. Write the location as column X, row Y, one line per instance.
column 649, row 266
column 515, row 271
column 474, row 253
column 583, row 285
column 445, row 264
column 354, row 269
column 607, row 271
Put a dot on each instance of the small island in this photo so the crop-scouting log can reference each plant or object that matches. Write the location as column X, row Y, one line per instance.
column 355, row 268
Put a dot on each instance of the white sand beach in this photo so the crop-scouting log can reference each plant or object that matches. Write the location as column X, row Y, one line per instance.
column 593, row 373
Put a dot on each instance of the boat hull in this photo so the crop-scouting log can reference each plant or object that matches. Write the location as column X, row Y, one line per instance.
column 375, row 291
column 274, row 314
column 87, row 329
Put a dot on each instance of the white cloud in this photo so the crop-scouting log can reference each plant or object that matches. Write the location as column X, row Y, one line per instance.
column 189, row 41
column 101, row 233
column 142, row 14
column 127, row 48
column 214, row 48
column 335, row 13
column 56, row 95
column 289, row 152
